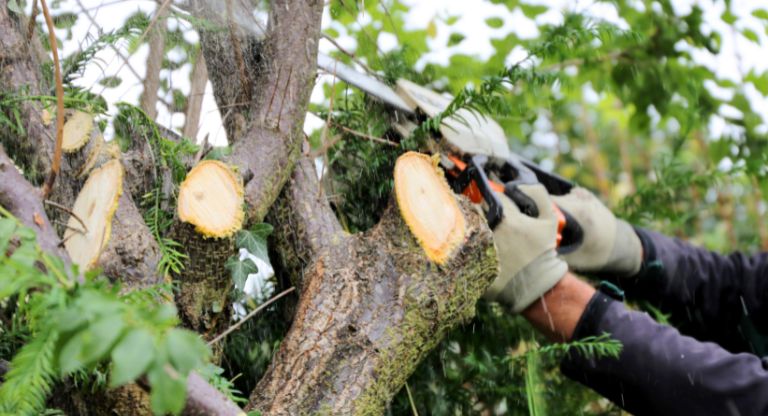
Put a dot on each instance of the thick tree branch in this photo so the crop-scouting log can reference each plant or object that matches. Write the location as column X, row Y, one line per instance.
column 134, row 259
column 272, row 144
column 304, row 222
column 199, row 79
column 266, row 131
column 156, row 38
column 204, row 400
column 371, row 307
column 24, row 201
column 225, row 20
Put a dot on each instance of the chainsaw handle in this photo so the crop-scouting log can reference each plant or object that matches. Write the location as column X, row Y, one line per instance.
column 471, row 179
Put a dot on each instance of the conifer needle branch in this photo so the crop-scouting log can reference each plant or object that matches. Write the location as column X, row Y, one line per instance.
column 59, row 102
column 251, row 315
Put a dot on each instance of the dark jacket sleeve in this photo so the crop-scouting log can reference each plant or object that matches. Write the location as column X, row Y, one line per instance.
column 661, row 372
column 708, row 295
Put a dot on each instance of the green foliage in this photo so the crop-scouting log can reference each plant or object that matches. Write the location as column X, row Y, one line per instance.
column 361, row 169
column 77, row 322
column 674, row 181
column 558, row 43
column 240, row 270
column 255, row 240
column 73, row 65
column 214, row 375
column 132, row 123
column 159, row 221
column 629, row 110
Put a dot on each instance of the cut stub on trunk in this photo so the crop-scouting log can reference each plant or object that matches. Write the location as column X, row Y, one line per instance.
column 112, row 234
column 210, row 211
column 428, row 206
column 84, row 146
column 77, row 131
column 95, row 206
column 81, row 143
column 373, row 305
column 211, row 199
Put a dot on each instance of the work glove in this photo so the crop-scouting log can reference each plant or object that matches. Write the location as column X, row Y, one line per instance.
column 610, row 245
column 526, row 249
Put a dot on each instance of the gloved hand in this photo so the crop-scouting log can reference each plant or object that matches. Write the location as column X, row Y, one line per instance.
column 610, row 245
column 526, row 249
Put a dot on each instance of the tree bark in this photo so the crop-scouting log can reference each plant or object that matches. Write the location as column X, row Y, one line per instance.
column 264, row 118
column 24, row 201
column 20, row 71
column 371, row 306
column 154, row 64
column 199, row 79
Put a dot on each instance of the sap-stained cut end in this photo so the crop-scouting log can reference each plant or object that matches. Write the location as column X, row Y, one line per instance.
column 211, row 199
column 95, row 207
column 428, row 206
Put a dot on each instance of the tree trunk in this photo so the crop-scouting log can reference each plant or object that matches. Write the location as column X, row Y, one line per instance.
column 154, row 64
column 371, row 306
column 199, row 79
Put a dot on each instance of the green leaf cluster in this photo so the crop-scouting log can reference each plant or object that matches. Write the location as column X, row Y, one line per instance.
column 77, row 322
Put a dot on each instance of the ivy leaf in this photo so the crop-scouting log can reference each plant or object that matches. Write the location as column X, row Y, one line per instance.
column 131, row 357
column 262, row 229
column 255, row 240
column 240, row 270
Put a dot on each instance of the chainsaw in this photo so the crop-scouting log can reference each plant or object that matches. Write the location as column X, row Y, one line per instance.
column 473, row 150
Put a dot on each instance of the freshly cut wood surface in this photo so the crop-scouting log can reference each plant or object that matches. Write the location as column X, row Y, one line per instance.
column 428, row 206
column 95, row 206
column 77, row 131
column 211, row 199
column 98, row 152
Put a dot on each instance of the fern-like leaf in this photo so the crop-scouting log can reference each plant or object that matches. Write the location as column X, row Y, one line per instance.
column 32, row 373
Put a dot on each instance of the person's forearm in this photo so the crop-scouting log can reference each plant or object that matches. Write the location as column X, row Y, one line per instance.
column 557, row 313
column 707, row 294
column 661, row 372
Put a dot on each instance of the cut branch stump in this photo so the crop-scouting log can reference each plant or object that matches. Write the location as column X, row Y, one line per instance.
column 210, row 212
column 373, row 305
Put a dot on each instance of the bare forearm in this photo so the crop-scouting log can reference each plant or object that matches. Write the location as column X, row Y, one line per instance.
column 557, row 313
